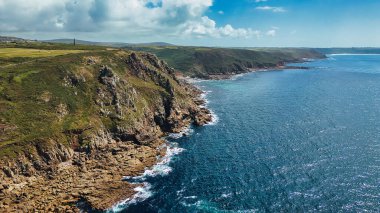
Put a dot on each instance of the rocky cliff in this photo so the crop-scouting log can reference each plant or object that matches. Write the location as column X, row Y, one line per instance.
column 72, row 126
column 218, row 63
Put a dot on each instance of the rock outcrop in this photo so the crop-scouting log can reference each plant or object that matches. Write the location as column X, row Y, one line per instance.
column 129, row 102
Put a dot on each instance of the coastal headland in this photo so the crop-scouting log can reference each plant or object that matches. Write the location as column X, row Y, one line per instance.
column 75, row 120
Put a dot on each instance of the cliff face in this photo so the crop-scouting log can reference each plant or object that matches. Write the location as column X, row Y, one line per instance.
column 72, row 126
column 211, row 63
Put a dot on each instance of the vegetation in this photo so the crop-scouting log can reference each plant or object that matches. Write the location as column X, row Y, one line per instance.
column 33, row 53
column 354, row 50
column 47, row 90
column 203, row 62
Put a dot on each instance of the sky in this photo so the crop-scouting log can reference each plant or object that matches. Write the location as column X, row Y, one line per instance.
column 228, row 23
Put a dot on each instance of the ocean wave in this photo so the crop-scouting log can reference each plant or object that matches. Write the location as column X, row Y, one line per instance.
column 226, row 195
column 214, row 119
column 308, row 59
column 194, row 80
column 214, row 116
column 186, row 132
column 203, row 96
column 237, row 76
column 190, row 197
column 206, row 206
column 162, row 168
column 143, row 192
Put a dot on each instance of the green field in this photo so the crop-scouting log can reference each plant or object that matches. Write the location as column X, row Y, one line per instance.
column 203, row 62
column 48, row 91
column 39, row 81
column 33, row 53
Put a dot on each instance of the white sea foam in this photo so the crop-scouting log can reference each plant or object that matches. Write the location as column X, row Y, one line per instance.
column 226, row 195
column 162, row 168
column 214, row 116
column 206, row 206
column 308, row 59
column 237, row 76
column 214, row 119
column 194, row 80
column 190, row 197
column 186, row 132
column 179, row 192
column 203, row 96
column 142, row 193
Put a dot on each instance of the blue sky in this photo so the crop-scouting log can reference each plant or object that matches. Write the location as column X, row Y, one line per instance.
column 237, row 23
column 307, row 22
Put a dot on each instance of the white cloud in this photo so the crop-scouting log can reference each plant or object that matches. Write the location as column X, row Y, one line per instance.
column 207, row 27
column 272, row 9
column 124, row 17
column 257, row 1
column 221, row 12
column 271, row 33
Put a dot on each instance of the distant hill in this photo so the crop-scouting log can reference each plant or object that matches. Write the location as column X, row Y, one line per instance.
column 354, row 50
column 108, row 44
column 11, row 39
column 207, row 62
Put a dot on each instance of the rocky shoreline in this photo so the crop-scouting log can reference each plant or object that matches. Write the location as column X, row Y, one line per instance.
column 277, row 68
column 87, row 182
column 83, row 169
column 137, row 100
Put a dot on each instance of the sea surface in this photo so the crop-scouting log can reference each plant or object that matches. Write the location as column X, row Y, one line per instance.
column 284, row 141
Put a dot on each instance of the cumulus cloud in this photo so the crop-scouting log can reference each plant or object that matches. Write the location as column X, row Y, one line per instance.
column 207, row 27
column 272, row 9
column 128, row 17
column 271, row 32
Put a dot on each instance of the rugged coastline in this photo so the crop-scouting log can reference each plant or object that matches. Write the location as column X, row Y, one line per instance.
column 221, row 63
column 99, row 115
column 82, row 167
column 276, row 68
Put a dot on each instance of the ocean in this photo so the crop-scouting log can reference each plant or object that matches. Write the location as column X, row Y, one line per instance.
column 284, row 141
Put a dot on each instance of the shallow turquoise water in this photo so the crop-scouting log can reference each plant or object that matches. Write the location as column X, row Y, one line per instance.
column 285, row 141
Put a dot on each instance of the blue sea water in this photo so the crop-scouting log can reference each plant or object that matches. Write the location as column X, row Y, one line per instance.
column 285, row 141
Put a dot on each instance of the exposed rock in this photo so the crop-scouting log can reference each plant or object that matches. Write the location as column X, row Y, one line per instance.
column 62, row 111
column 87, row 166
column 46, row 96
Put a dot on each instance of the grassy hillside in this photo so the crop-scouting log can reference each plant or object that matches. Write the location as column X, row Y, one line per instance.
column 47, row 90
column 12, row 53
column 108, row 44
column 204, row 62
column 32, row 53
column 71, row 113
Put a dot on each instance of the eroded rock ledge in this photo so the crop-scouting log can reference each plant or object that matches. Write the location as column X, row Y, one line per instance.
column 84, row 166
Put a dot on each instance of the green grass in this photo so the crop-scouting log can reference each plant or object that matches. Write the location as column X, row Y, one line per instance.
column 36, row 78
column 23, row 75
column 34, row 86
column 35, row 118
column 33, row 53
column 205, row 61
